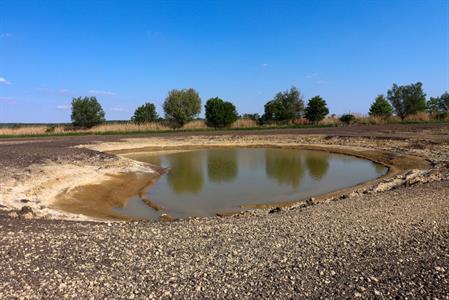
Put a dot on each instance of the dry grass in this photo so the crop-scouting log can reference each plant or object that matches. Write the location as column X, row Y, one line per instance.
column 244, row 123
column 127, row 127
column 200, row 124
column 196, row 124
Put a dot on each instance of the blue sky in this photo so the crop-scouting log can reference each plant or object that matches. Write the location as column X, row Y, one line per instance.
column 129, row 52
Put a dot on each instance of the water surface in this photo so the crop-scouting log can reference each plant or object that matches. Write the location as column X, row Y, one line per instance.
column 211, row 181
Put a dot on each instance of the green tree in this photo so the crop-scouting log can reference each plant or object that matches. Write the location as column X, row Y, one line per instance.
column 407, row 99
column 433, row 106
column 285, row 106
column 145, row 113
column 381, row 107
column 86, row 112
column 181, row 106
column 444, row 102
column 316, row 109
column 220, row 113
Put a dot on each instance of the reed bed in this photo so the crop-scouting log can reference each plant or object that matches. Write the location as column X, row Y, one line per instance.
column 129, row 127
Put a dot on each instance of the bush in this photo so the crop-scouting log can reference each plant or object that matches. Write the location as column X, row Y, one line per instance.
column 86, row 112
column 347, row 119
column 407, row 99
column 316, row 109
column 182, row 106
column 220, row 113
column 145, row 114
column 381, row 108
column 285, row 106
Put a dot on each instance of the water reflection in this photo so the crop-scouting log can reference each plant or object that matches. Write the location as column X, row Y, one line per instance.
column 317, row 163
column 222, row 165
column 186, row 172
column 204, row 182
column 284, row 166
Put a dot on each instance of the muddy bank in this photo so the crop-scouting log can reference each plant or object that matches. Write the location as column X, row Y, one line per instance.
column 64, row 188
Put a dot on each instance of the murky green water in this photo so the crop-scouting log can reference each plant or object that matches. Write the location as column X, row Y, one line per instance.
column 205, row 182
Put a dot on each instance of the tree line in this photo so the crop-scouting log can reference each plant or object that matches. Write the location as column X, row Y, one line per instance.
column 183, row 105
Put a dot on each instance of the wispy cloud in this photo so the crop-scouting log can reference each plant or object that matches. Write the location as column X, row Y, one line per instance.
column 101, row 93
column 264, row 65
column 5, row 35
column 63, row 106
column 321, row 81
column 7, row 100
column 53, row 91
column 4, row 81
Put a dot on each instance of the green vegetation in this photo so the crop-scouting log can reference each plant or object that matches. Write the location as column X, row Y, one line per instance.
column 285, row 106
column 145, row 114
column 381, row 108
column 347, row 119
column 407, row 99
column 86, row 112
column 316, row 110
column 220, row 113
column 181, row 106
column 285, row 110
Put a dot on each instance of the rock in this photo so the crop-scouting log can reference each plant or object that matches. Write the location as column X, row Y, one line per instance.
column 275, row 210
column 26, row 210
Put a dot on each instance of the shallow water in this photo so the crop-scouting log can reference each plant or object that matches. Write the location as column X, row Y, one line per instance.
column 211, row 181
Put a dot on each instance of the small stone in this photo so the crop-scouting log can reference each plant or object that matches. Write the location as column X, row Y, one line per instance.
column 439, row 269
column 357, row 295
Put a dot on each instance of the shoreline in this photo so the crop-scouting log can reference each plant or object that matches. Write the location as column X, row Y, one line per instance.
column 67, row 189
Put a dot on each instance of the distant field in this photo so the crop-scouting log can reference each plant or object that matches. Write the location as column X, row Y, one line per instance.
column 9, row 130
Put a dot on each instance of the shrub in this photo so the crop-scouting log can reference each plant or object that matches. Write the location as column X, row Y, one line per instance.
column 182, row 106
column 444, row 102
column 220, row 113
column 381, row 108
column 347, row 119
column 316, row 109
column 285, row 106
column 145, row 114
column 86, row 112
column 407, row 99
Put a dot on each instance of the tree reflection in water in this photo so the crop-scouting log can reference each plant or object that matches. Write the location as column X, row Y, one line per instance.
column 317, row 163
column 284, row 166
column 186, row 172
column 222, row 165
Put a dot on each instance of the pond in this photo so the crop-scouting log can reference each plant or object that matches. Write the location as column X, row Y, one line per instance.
column 210, row 181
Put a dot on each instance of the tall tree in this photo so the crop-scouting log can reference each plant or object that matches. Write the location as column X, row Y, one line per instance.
column 220, row 113
column 181, row 106
column 381, row 107
column 145, row 113
column 407, row 99
column 285, row 106
column 316, row 109
column 86, row 112
column 444, row 102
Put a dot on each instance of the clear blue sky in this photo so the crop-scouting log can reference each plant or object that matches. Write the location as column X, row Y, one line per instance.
column 130, row 52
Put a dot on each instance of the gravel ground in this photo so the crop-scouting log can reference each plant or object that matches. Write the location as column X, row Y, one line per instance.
column 392, row 244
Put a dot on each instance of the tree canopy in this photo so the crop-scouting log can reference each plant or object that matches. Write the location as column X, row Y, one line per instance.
column 86, row 112
column 220, row 113
column 145, row 113
column 381, row 107
column 407, row 99
column 181, row 106
column 285, row 106
column 316, row 109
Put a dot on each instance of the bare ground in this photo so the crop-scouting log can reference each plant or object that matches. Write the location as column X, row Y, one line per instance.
column 374, row 245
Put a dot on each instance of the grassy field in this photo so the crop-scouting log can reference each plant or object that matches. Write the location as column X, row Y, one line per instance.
column 124, row 127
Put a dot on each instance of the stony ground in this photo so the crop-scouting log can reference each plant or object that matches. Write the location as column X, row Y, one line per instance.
column 393, row 244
